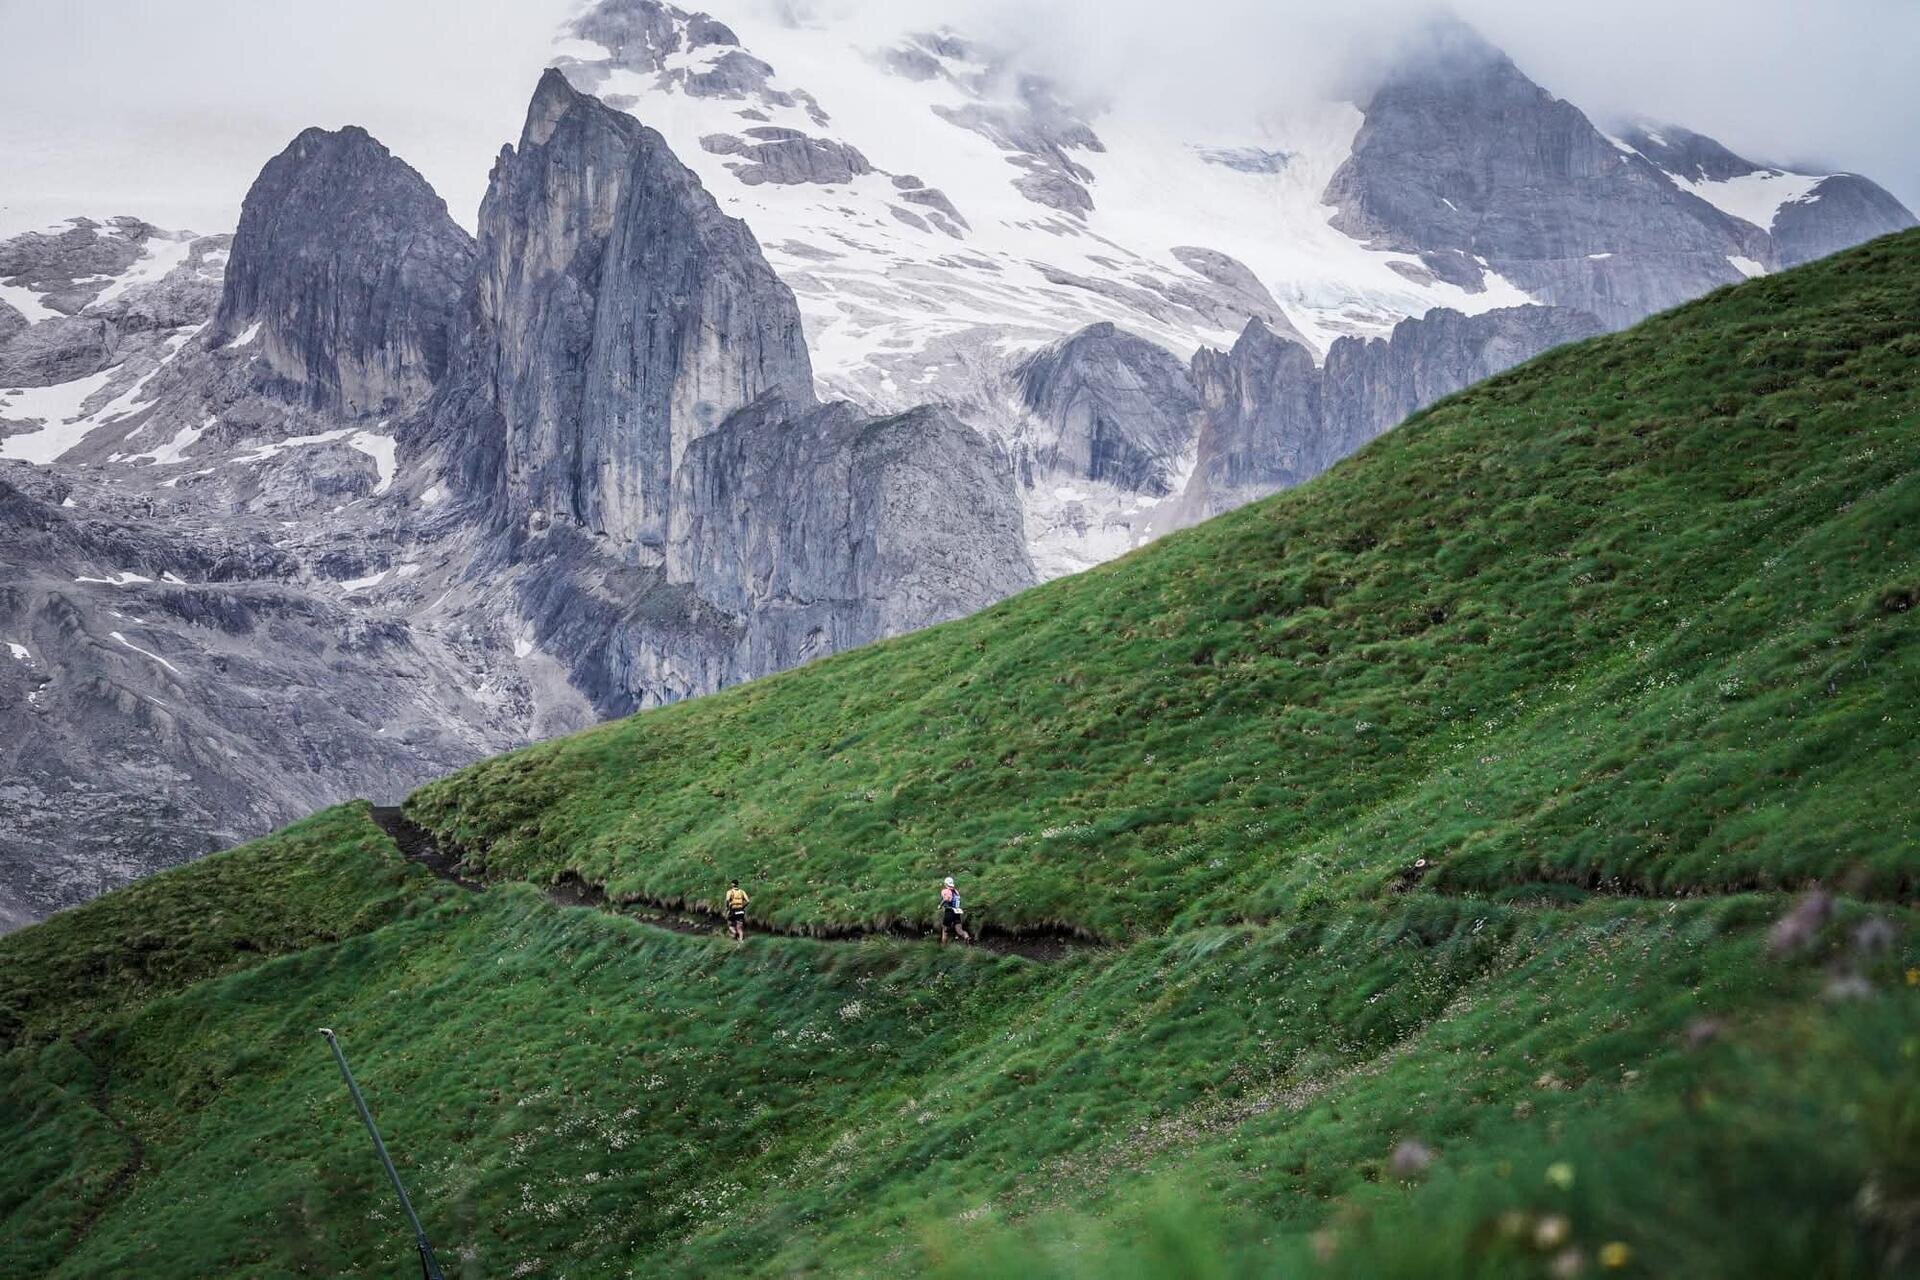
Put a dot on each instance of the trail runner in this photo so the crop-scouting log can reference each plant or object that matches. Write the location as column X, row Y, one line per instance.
column 737, row 901
column 952, row 914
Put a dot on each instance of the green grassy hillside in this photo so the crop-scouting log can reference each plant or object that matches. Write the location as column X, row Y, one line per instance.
column 1442, row 824
column 1630, row 618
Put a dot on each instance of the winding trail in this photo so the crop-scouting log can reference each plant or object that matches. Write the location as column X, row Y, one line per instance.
column 417, row 845
column 136, row 1157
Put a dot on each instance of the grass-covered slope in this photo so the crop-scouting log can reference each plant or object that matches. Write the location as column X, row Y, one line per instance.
column 1633, row 616
column 1621, row 644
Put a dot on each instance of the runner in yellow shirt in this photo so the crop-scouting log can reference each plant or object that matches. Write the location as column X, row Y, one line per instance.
column 737, row 901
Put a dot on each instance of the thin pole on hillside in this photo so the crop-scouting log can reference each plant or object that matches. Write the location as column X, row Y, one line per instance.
column 429, row 1266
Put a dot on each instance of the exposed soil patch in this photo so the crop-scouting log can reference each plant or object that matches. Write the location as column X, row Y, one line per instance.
column 417, row 845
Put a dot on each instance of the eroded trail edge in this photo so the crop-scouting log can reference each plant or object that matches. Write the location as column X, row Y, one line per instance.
column 1043, row 943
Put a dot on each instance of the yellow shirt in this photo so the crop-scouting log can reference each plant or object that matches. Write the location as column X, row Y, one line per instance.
column 736, row 899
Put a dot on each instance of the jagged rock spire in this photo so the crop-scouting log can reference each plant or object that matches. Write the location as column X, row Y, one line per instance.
column 352, row 269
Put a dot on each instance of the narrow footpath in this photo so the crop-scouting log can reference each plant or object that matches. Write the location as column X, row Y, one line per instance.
column 417, row 845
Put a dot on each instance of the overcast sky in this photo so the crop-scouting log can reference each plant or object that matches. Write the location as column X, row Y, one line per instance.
column 167, row 108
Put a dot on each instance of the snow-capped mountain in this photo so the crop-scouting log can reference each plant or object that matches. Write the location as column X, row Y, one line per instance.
column 776, row 337
column 941, row 214
column 933, row 207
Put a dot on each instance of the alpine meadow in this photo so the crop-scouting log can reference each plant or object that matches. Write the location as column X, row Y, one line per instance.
column 1496, row 856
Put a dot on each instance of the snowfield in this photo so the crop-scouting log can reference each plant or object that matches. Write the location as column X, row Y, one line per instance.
column 894, row 299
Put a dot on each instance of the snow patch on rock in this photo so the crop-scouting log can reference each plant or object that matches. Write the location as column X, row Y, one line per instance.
column 382, row 449
column 145, row 653
column 1753, row 197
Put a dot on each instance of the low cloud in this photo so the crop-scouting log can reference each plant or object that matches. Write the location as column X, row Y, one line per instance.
column 1833, row 85
column 169, row 110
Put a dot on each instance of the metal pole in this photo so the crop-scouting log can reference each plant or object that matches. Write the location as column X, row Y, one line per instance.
column 429, row 1266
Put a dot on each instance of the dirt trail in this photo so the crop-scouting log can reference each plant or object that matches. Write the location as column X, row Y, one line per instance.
column 417, row 845
column 130, row 1167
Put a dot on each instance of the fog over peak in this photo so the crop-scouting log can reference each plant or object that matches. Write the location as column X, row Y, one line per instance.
column 169, row 110
column 1835, row 85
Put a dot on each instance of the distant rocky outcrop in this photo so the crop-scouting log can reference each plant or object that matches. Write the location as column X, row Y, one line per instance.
column 1468, row 164
column 1119, row 411
column 1807, row 216
column 825, row 528
column 631, row 394
column 105, row 292
column 1266, row 421
column 788, row 156
column 1841, row 211
column 352, row 269
column 1231, row 426
column 1274, row 420
column 1375, row 383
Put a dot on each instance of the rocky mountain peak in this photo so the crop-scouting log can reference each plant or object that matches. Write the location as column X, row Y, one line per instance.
column 553, row 98
column 1118, row 410
column 1257, row 339
column 1465, row 162
column 1684, row 153
column 617, row 316
column 351, row 268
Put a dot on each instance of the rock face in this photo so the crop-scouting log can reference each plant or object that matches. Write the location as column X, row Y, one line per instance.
column 631, row 401
column 1473, row 167
column 1240, row 424
column 617, row 317
column 1118, row 410
column 1274, row 420
column 822, row 529
column 1266, row 423
column 1841, row 211
column 354, row 323
column 1371, row 385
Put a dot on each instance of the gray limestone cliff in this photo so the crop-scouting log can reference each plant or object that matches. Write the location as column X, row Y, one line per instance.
column 1467, row 163
column 1265, row 420
column 616, row 316
column 1370, row 385
column 825, row 528
column 1274, row 420
column 1841, row 211
column 351, row 267
column 630, row 406
column 1118, row 410
column 1231, row 426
